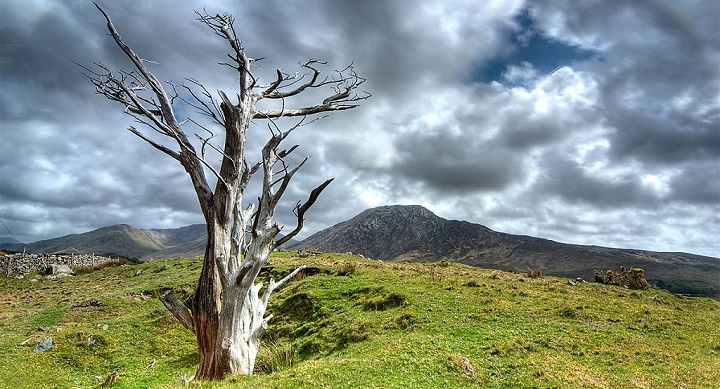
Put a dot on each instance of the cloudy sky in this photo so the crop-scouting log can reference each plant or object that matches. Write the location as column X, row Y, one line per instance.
column 582, row 122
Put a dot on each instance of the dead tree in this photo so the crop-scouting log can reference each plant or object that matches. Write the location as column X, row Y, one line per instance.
column 227, row 310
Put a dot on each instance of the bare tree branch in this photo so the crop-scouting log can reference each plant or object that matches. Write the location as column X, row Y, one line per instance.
column 155, row 144
column 273, row 93
column 300, row 210
column 164, row 101
column 223, row 26
column 208, row 106
column 178, row 309
column 344, row 86
column 272, row 286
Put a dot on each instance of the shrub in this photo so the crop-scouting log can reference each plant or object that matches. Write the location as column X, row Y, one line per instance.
column 274, row 356
column 632, row 278
column 347, row 269
column 106, row 265
column 535, row 273
column 83, row 270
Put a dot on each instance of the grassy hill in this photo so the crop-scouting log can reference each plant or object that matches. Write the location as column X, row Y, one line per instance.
column 353, row 323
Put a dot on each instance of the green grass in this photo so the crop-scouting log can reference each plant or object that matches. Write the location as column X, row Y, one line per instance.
column 360, row 323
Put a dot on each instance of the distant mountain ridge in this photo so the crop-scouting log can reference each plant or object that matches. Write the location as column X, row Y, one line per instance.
column 413, row 233
column 124, row 239
column 8, row 240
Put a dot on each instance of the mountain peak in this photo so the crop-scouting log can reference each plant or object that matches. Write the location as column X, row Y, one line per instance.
column 382, row 232
column 417, row 210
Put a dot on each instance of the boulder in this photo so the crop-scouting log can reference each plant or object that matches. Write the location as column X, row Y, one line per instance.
column 44, row 345
column 59, row 269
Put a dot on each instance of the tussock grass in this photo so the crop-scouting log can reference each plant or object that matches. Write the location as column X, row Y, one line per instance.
column 354, row 322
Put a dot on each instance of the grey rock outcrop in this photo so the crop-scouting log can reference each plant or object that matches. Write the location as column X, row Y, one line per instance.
column 44, row 345
column 58, row 269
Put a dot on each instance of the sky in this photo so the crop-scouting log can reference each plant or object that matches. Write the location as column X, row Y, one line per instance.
column 582, row 122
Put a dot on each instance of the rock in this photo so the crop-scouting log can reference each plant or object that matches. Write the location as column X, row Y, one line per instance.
column 58, row 269
column 572, row 283
column 105, row 327
column 44, row 345
column 165, row 267
column 137, row 273
column 91, row 340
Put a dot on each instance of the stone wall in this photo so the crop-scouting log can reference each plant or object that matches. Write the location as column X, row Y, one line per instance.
column 26, row 263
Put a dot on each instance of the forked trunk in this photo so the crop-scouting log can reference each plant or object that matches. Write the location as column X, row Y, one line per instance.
column 228, row 329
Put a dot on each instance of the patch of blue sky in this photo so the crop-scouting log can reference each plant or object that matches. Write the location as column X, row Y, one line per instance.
column 531, row 49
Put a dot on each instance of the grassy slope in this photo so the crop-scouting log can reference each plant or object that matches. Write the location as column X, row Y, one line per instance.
column 383, row 325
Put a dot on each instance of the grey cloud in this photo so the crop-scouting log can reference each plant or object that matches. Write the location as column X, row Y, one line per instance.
column 568, row 180
column 698, row 183
column 457, row 163
column 662, row 139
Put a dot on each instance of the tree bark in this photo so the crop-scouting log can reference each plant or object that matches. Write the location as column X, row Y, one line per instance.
column 205, row 310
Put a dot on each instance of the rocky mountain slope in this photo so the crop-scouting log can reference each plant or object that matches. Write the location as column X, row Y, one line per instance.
column 413, row 233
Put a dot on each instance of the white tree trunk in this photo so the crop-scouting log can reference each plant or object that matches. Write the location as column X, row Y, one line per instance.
column 240, row 330
column 242, row 324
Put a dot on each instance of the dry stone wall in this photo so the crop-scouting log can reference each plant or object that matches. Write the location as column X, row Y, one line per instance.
column 26, row 263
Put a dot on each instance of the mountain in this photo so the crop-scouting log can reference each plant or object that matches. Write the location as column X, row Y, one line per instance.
column 413, row 233
column 126, row 240
column 8, row 240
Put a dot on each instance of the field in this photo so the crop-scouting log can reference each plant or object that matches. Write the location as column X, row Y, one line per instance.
column 358, row 323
